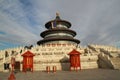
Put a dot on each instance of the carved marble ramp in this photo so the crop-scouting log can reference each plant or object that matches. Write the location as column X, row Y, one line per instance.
column 116, row 63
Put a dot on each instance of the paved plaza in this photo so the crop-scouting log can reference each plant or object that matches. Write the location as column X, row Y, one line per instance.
column 91, row 74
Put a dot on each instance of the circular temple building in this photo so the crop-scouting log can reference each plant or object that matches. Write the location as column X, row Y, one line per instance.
column 58, row 32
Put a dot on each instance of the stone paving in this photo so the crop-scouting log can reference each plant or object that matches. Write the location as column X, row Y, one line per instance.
column 91, row 74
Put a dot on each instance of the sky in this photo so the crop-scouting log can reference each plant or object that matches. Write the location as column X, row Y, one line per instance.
column 95, row 21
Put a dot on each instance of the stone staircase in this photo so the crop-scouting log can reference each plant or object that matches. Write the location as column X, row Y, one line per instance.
column 1, row 65
column 7, row 60
column 116, row 63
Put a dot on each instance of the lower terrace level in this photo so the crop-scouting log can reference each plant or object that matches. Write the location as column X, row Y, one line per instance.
column 88, row 74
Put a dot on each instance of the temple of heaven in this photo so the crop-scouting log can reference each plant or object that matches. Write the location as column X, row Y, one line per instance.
column 58, row 32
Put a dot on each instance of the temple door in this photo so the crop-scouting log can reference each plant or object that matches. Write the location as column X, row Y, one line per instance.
column 17, row 66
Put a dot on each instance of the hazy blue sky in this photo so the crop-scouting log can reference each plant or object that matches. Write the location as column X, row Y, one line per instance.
column 95, row 21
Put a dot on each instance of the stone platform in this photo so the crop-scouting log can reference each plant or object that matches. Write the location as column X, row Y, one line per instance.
column 88, row 74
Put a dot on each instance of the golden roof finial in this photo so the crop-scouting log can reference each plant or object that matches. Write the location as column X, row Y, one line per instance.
column 57, row 16
column 57, row 13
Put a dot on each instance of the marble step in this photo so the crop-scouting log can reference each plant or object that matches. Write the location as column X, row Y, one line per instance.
column 116, row 63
